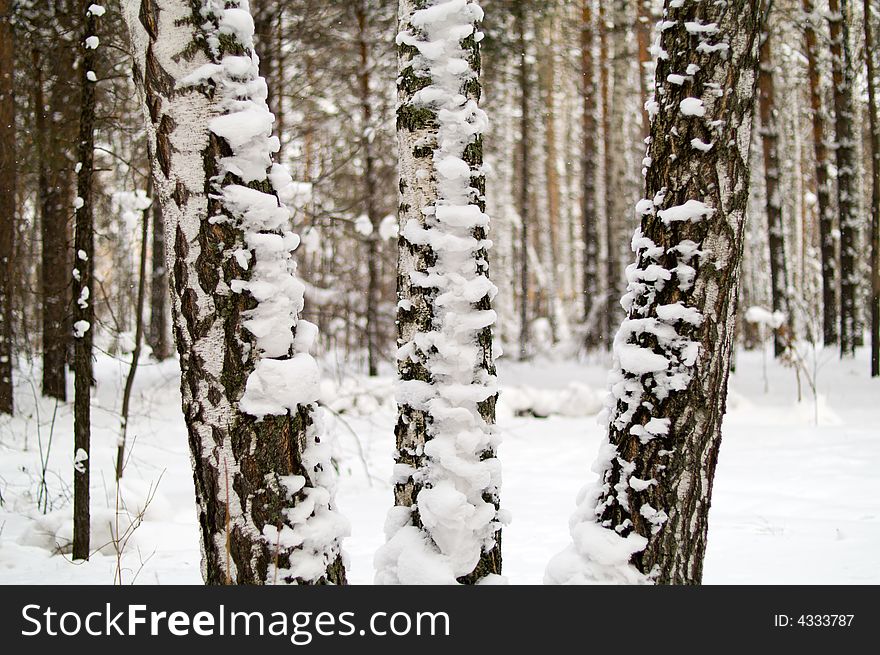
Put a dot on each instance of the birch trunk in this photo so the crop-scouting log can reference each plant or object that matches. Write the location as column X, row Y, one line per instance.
column 646, row 520
column 264, row 483
column 446, row 516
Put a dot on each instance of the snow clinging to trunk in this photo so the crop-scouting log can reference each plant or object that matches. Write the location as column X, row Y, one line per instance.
column 645, row 520
column 264, row 479
column 445, row 527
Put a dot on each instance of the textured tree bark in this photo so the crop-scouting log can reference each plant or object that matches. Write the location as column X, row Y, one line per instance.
column 524, row 197
column 8, row 177
column 847, row 190
column 874, row 121
column 589, row 167
column 447, row 390
column 672, row 352
column 54, row 183
column 823, row 193
column 158, row 336
column 369, row 194
column 775, row 228
column 261, row 478
column 83, row 294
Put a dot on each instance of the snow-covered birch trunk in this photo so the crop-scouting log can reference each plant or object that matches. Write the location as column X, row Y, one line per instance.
column 446, row 525
column 264, row 482
column 645, row 520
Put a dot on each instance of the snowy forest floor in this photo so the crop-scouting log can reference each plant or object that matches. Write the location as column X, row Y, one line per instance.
column 794, row 502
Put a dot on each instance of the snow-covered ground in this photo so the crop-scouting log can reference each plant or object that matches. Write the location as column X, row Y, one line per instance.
column 794, row 502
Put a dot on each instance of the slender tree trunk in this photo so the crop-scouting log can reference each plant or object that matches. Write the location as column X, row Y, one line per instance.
column 775, row 228
column 138, row 330
column 646, row 519
column 874, row 120
column 644, row 24
column 589, row 168
column 823, row 183
column 264, row 482
column 609, row 297
column 158, row 337
column 374, row 278
column 524, row 208
column 847, row 168
column 83, row 289
column 446, row 465
column 553, row 256
column 8, row 177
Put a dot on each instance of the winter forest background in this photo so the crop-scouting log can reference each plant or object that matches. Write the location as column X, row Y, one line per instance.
column 459, row 187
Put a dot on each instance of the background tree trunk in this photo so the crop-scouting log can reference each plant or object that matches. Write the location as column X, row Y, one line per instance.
column 8, row 177
column 138, row 330
column 158, row 337
column 847, row 190
column 644, row 27
column 589, row 166
column 874, row 120
column 54, row 225
column 369, row 193
column 525, row 201
column 611, row 297
column 83, row 288
column 823, row 183
column 775, row 227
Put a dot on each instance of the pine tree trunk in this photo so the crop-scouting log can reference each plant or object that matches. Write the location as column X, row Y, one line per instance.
column 847, row 169
column 446, row 515
column 646, row 520
column 874, row 121
column 524, row 196
column 823, row 183
column 261, row 462
column 775, row 228
column 158, row 336
column 83, row 288
column 589, row 167
column 8, row 177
